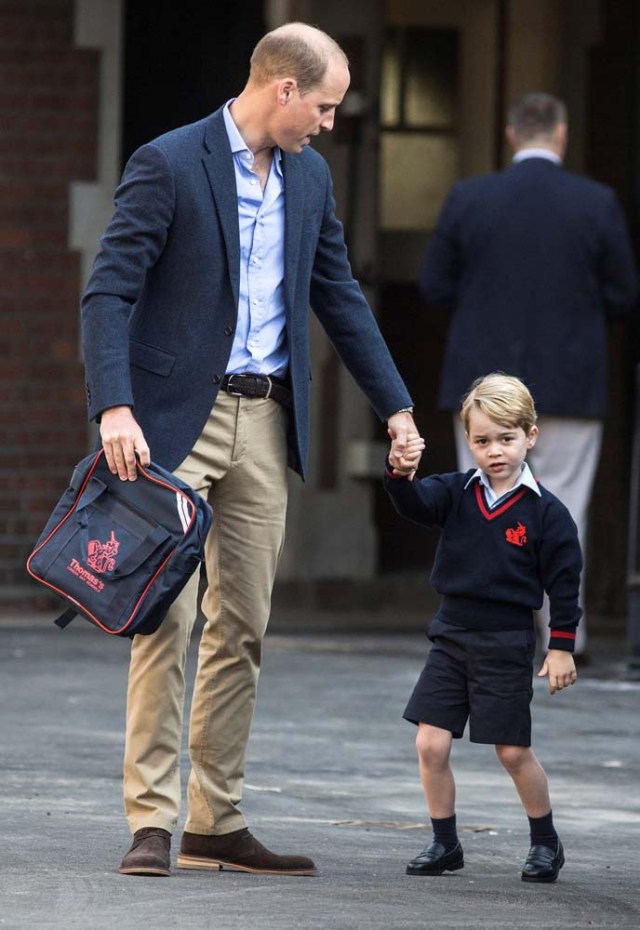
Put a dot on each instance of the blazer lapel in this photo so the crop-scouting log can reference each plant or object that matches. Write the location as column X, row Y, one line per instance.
column 218, row 164
column 293, row 208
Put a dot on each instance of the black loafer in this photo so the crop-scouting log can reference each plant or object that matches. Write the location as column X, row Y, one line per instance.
column 543, row 864
column 434, row 860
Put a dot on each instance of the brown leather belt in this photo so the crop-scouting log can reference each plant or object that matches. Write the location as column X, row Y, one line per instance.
column 248, row 385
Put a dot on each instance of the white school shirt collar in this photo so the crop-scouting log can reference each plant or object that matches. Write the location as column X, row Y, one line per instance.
column 525, row 479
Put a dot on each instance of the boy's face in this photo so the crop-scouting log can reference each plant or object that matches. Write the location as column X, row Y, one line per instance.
column 498, row 450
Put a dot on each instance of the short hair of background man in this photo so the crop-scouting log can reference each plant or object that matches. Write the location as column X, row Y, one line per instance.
column 295, row 50
column 503, row 398
column 535, row 116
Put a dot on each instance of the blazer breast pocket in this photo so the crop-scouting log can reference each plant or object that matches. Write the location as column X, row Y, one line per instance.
column 151, row 358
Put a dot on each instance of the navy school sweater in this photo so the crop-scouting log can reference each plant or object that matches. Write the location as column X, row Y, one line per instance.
column 492, row 567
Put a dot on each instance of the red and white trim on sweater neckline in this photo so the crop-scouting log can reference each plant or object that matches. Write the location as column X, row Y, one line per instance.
column 492, row 514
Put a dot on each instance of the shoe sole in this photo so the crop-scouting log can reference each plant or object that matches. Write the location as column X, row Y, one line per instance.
column 447, row 868
column 543, row 880
column 151, row 872
column 216, row 865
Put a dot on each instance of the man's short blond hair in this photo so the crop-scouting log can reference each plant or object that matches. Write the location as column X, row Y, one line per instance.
column 295, row 50
column 503, row 398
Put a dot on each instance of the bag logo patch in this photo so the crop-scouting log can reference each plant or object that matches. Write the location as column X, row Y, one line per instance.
column 101, row 557
column 517, row 536
column 81, row 572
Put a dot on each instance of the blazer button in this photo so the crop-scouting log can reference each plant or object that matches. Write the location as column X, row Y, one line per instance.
column 216, row 379
column 228, row 330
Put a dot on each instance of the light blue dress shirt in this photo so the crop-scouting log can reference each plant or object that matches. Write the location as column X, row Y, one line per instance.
column 259, row 344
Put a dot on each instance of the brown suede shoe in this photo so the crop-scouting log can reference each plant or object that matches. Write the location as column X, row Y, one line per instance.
column 239, row 851
column 149, row 853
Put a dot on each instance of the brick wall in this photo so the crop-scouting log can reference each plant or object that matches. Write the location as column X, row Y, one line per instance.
column 48, row 127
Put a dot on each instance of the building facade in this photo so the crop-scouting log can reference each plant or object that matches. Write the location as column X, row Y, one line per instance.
column 83, row 82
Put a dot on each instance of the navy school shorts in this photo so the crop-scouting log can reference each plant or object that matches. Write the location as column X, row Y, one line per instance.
column 484, row 676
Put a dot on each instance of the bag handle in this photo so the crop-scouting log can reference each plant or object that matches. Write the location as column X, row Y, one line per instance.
column 95, row 489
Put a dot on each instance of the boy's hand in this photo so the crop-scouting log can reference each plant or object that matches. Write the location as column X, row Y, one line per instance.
column 560, row 668
column 407, row 462
column 400, row 428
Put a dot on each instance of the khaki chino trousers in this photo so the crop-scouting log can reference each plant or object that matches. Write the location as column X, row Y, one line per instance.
column 239, row 465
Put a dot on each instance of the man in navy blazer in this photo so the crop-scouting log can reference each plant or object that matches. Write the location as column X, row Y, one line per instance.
column 532, row 262
column 195, row 333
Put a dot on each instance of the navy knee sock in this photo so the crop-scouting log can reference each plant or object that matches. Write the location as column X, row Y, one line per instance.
column 444, row 831
column 543, row 832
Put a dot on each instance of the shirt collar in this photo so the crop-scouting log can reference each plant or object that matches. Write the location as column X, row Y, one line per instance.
column 237, row 143
column 536, row 153
column 526, row 479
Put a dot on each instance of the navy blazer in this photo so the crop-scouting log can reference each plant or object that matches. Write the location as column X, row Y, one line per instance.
column 160, row 308
column 531, row 261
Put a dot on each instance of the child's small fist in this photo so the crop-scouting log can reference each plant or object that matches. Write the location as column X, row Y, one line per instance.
column 406, row 462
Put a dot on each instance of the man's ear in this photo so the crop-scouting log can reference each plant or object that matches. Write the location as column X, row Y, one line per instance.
column 561, row 138
column 510, row 133
column 286, row 90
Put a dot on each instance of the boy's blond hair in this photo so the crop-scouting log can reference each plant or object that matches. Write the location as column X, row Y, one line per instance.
column 503, row 398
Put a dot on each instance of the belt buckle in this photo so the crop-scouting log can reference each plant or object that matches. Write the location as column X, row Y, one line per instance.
column 230, row 387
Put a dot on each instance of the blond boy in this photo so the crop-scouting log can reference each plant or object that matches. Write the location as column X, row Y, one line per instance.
column 505, row 541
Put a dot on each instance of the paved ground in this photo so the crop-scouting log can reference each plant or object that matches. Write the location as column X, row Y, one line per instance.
column 331, row 773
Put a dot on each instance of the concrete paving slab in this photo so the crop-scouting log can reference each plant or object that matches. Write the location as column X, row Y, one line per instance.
column 332, row 774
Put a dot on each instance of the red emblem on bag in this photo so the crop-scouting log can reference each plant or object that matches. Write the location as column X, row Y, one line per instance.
column 517, row 536
column 101, row 557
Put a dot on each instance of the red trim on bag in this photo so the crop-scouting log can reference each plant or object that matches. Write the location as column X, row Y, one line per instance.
column 59, row 591
column 64, row 519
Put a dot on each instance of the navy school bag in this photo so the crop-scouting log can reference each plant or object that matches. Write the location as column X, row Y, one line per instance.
column 120, row 552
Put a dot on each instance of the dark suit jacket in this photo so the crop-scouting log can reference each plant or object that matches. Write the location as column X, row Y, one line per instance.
column 531, row 261
column 160, row 309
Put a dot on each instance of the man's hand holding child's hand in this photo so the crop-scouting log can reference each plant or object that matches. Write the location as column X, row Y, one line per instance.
column 406, row 462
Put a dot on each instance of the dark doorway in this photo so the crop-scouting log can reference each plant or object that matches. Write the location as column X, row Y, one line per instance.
column 612, row 157
column 419, row 161
column 182, row 61
column 416, row 337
